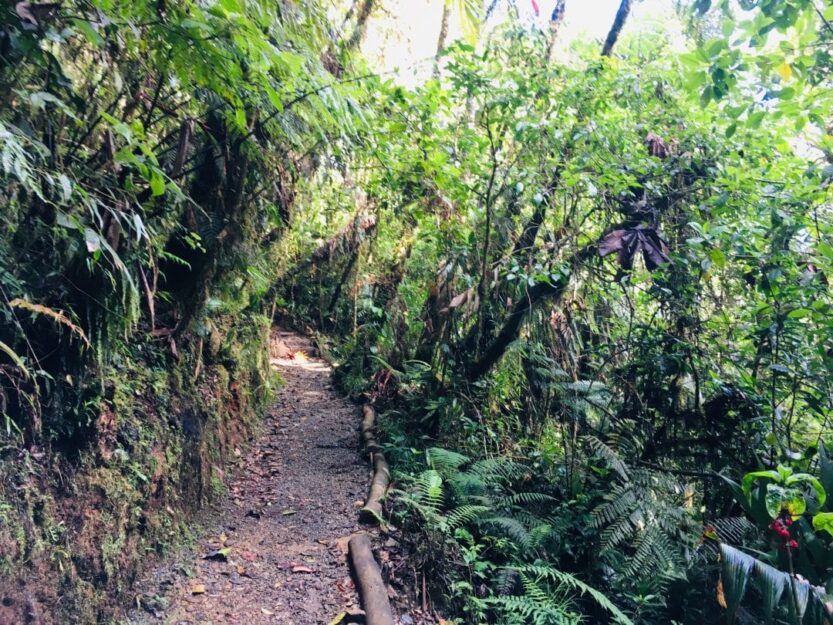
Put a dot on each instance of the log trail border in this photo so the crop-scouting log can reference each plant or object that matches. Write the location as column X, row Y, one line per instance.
column 368, row 575
column 371, row 512
column 372, row 589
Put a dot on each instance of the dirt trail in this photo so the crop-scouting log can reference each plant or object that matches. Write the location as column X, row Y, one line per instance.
column 286, row 520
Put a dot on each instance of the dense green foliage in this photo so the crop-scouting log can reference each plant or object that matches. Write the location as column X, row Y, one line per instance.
column 148, row 156
column 589, row 294
column 612, row 274
column 146, row 148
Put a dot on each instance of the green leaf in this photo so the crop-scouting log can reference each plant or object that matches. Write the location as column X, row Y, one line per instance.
column 771, row 583
column 240, row 118
column 778, row 498
column 292, row 62
column 89, row 32
column 66, row 187
column 749, row 479
column 736, row 567
column 806, row 478
column 717, row 257
column 754, row 120
column 17, row 360
column 157, row 183
column 823, row 522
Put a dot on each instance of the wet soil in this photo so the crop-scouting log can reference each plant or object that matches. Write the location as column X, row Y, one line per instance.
column 274, row 550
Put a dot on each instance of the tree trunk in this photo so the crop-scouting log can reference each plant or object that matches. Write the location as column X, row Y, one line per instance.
column 556, row 19
column 616, row 29
column 441, row 40
column 359, row 32
column 512, row 325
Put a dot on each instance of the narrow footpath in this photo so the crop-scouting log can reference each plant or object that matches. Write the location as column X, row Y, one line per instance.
column 274, row 550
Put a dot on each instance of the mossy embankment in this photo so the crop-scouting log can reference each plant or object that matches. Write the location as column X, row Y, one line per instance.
column 76, row 527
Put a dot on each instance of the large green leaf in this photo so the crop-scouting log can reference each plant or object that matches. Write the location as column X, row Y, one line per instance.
column 823, row 522
column 750, row 478
column 778, row 498
column 806, row 478
column 771, row 583
column 736, row 567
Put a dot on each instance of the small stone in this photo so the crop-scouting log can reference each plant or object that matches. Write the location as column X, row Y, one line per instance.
column 406, row 620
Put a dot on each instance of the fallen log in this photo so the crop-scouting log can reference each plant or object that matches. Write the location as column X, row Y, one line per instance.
column 371, row 512
column 372, row 590
column 369, row 429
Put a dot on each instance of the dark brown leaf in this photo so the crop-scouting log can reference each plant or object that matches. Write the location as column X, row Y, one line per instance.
column 630, row 242
column 611, row 243
column 34, row 15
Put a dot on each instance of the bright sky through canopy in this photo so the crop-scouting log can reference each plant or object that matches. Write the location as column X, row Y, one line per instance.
column 404, row 37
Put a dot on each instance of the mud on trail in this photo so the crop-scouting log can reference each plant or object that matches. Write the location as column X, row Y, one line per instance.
column 274, row 550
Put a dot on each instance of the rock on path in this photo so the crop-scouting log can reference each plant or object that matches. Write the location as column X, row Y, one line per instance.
column 279, row 538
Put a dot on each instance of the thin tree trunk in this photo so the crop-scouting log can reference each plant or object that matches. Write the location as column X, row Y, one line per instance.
column 490, row 8
column 556, row 19
column 360, row 30
column 530, row 230
column 348, row 15
column 511, row 327
column 345, row 277
column 616, row 29
column 441, row 40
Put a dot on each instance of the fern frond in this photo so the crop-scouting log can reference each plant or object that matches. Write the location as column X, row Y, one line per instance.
column 505, row 581
column 538, row 605
column 619, row 503
column 733, row 530
column 463, row 515
column 521, row 499
column 621, row 530
column 466, row 484
column 498, row 468
column 571, row 581
column 444, row 460
column 609, row 455
column 511, row 528
column 57, row 316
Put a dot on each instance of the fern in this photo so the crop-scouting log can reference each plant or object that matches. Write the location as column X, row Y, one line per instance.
column 538, row 605
column 464, row 515
column 536, row 573
column 430, row 488
column 444, row 460
column 455, row 493
column 521, row 499
column 512, row 528
column 498, row 469
column 608, row 454
column 644, row 528
column 734, row 530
